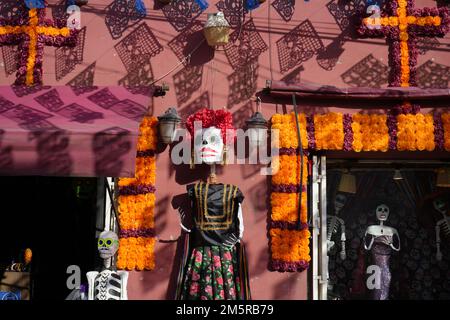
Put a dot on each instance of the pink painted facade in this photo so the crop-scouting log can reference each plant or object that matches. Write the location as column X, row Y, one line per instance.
column 322, row 52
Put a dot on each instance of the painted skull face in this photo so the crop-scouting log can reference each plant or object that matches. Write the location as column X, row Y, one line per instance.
column 339, row 201
column 382, row 212
column 209, row 146
column 108, row 244
column 440, row 205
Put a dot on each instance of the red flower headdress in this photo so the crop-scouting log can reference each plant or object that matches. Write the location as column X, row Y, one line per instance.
column 221, row 119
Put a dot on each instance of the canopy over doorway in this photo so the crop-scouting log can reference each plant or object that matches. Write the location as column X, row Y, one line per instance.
column 66, row 131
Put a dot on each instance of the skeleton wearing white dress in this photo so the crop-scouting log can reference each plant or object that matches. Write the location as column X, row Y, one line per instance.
column 334, row 223
column 107, row 284
column 442, row 226
column 389, row 234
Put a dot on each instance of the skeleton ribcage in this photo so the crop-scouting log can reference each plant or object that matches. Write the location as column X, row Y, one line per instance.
column 108, row 286
column 332, row 226
column 445, row 227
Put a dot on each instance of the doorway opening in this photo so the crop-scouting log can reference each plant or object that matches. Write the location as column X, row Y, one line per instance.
column 409, row 203
column 58, row 219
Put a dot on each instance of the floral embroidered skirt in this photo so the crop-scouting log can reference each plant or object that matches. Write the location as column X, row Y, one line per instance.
column 213, row 273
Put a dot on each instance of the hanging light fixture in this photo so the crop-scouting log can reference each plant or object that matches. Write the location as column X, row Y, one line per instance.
column 347, row 183
column 397, row 175
column 168, row 123
column 257, row 127
column 443, row 178
column 216, row 29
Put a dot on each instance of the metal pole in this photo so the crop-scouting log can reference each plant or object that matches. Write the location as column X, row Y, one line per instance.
column 315, row 229
column 323, row 230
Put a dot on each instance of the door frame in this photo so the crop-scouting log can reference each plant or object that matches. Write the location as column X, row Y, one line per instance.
column 318, row 207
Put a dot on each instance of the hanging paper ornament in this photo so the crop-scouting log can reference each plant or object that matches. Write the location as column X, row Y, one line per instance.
column 216, row 29
column 74, row 19
column 35, row 4
column 252, row 4
column 203, row 4
column 140, row 7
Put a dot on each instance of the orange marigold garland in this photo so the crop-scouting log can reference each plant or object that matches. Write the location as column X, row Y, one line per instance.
column 289, row 239
column 446, row 125
column 415, row 132
column 136, row 203
column 370, row 132
column 288, row 130
column 329, row 131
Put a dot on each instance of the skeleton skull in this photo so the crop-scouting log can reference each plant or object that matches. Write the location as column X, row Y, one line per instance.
column 339, row 201
column 382, row 212
column 440, row 205
column 209, row 146
column 108, row 244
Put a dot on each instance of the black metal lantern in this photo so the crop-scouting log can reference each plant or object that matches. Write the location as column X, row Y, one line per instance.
column 168, row 123
column 257, row 127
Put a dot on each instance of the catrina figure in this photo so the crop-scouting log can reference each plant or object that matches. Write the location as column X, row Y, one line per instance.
column 214, row 263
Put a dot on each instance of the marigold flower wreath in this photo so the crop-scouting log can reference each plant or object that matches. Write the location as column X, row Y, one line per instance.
column 137, row 203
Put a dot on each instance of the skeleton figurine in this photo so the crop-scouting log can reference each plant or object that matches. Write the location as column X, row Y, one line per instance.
column 381, row 245
column 107, row 284
column 334, row 223
column 388, row 234
column 442, row 225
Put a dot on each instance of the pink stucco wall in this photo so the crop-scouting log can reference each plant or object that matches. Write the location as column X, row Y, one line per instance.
column 217, row 80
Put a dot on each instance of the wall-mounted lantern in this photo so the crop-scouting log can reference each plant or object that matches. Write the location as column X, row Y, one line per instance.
column 168, row 124
column 216, row 29
column 257, row 127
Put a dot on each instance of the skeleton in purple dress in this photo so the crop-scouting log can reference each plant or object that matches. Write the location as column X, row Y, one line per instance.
column 380, row 240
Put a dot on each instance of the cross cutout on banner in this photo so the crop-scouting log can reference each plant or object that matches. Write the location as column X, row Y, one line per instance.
column 402, row 25
column 31, row 38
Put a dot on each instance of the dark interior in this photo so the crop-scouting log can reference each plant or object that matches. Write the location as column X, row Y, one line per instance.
column 56, row 218
column 416, row 273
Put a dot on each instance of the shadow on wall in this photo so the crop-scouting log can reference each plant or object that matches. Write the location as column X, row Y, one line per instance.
column 347, row 15
column 161, row 208
column 192, row 41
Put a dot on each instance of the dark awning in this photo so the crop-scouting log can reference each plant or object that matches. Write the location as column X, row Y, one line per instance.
column 283, row 89
column 68, row 131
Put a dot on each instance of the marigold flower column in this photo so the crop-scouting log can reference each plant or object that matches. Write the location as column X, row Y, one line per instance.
column 289, row 239
column 137, row 203
column 446, row 128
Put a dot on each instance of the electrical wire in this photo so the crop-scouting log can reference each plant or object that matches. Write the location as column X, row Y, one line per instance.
column 186, row 58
